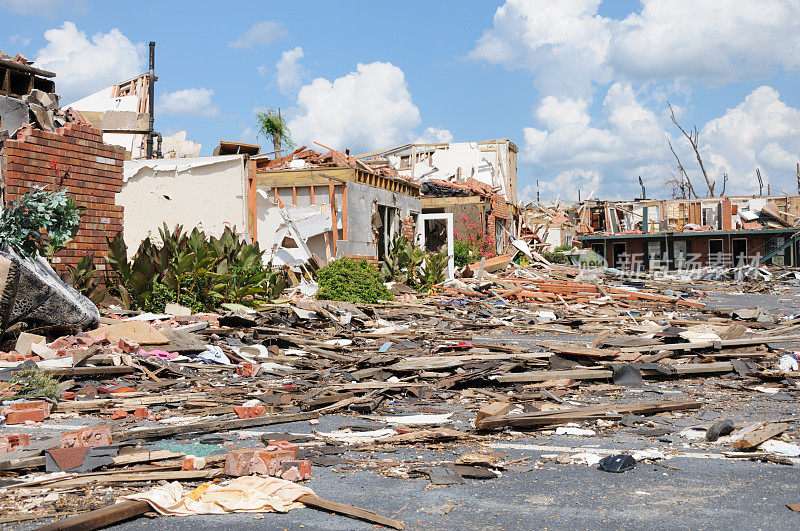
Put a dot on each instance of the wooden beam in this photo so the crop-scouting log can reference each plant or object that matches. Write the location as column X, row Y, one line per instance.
column 349, row 510
column 111, row 514
column 294, row 195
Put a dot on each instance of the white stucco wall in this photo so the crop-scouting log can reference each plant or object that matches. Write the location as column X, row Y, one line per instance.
column 205, row 192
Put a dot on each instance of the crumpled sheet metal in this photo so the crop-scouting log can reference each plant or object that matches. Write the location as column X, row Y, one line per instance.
column 245, row 494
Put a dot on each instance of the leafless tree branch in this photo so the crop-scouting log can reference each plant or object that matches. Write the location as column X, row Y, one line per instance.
column 694, row 138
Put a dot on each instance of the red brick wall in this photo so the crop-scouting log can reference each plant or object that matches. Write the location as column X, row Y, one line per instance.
column 408, row 228
column 94, row 178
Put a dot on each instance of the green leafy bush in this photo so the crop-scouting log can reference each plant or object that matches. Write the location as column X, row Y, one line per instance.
column 351, row 281
column 30, row 383
column 462, row 253
column 192, row 269
column 402, row 262
column 39, row 222
column 407, row 263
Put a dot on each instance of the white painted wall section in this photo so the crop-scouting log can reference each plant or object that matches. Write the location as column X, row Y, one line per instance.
column 209, row 193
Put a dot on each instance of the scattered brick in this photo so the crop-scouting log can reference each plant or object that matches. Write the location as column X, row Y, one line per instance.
column 98, row 436
column 250, row 412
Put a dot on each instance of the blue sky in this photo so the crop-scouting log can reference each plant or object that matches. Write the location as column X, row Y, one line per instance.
column 579, row 85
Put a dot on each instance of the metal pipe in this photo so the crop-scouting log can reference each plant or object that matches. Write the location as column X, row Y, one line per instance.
column 151, row 97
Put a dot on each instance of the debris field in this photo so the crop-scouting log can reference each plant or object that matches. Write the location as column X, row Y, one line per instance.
column 186, row 413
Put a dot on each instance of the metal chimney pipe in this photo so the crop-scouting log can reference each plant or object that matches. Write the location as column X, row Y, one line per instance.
column 151, row 97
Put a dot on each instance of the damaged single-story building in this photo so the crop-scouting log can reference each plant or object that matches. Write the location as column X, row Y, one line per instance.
column 337, row 205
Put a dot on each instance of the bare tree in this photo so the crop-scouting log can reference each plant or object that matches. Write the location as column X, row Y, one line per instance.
column 693, row 138
column 682, row 171
column 676, row 185
column 724, row 183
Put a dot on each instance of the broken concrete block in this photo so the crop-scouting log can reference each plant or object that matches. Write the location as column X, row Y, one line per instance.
column 296, row 470
column 177, row 309
column 98, row 436
column 136, row 331
column 35, row 411
column 191, row 462
column 25, row 340
column 250, row 412
column 12, row 441
column 283, row 445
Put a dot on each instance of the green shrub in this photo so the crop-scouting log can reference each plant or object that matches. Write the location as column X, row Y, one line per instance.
column 351, row 281
column 30, row 383
column 39, row 222
column 434, row 271
column 462, row 253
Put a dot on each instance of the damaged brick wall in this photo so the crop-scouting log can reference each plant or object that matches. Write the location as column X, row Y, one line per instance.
column 76, row 158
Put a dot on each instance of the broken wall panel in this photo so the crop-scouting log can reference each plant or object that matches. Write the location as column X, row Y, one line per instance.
column 209, row 193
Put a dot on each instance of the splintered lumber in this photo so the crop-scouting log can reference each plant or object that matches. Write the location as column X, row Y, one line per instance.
column 349, row 510
column 684, row 369
column 99, row 518
column 492, row 409
column 218, row 425
column 756, row 434
column 547, row 418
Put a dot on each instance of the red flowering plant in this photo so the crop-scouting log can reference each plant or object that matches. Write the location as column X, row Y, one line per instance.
column 476, row 244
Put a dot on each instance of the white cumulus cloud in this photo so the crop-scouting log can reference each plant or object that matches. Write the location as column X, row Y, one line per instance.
column 259, row 34
column 370, row 108
column 83, row 65
column 434, row 135
column 190, row 102
column 761, row 132
column 567, row 46
column 289, row 71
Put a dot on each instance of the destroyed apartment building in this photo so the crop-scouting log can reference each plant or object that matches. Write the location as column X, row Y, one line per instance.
column 682, row 233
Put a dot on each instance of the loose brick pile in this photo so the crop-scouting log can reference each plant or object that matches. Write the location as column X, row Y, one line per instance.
column 76, row 158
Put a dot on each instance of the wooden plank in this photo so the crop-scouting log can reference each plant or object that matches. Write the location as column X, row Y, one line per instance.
column 287, row 178
column 99, row 518
column 349, row 510
column 756, row 434
column 546, row 418
column 211, row 426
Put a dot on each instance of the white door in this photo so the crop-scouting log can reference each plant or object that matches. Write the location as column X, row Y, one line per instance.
column 421, row 237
